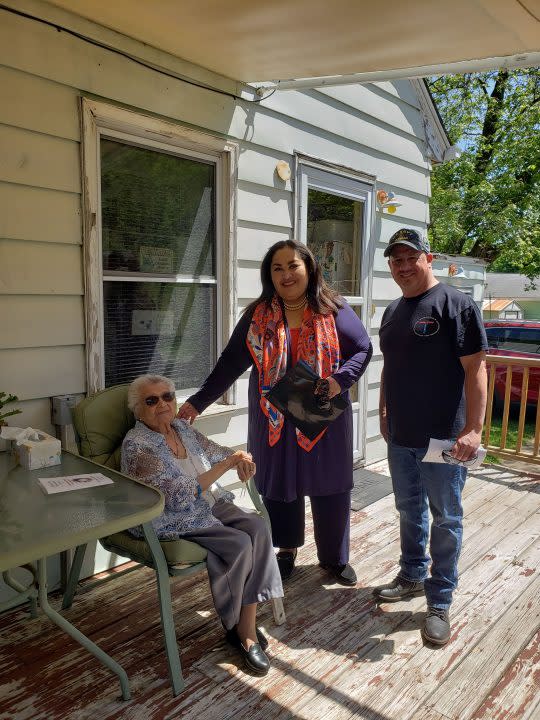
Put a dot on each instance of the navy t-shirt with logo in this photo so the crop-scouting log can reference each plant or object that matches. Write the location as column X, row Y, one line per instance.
column 422, row 340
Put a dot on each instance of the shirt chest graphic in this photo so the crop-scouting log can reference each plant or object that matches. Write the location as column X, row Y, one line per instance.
column 426, row 326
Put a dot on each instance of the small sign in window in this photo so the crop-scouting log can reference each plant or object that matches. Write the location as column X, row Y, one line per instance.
column 156, row 260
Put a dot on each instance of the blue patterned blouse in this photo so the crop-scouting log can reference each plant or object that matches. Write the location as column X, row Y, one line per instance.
column 147, row 457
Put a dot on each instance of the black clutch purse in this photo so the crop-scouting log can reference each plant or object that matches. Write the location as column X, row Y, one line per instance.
column 295, row 398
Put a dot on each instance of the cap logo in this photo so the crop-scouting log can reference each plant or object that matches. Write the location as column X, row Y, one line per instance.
column 404, row 235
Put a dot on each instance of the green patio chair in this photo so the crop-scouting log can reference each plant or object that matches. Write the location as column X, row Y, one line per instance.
column 101, row 422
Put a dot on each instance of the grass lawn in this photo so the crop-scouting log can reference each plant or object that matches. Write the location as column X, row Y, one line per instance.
column 512, row 434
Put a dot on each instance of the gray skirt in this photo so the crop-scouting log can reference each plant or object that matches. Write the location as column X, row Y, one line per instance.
column 242, row 566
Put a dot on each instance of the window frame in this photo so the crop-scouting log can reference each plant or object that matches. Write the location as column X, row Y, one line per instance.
column 108, row 121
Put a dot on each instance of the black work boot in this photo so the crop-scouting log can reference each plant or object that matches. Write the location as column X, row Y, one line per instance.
column 398, row 589
column 436, row 628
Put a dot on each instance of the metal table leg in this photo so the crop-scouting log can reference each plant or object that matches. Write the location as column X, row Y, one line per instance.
column 77, row 635
column 73, row 578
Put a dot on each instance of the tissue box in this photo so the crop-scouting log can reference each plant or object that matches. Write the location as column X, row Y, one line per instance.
column 40, row 453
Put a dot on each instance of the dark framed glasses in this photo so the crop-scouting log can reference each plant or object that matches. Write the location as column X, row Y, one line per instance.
column 154, row 399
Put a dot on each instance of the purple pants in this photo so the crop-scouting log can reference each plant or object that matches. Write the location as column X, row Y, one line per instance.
column 331, row 524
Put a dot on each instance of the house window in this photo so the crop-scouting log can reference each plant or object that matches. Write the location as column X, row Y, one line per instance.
column 333, row 219
column 334, row 236
column 158, row 229
column 157, row 257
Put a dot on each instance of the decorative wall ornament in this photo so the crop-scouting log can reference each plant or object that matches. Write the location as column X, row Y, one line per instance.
column 283, row 169
column 455, row 271
column 386, row 201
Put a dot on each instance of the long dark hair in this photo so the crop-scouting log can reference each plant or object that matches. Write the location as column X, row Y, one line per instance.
column 320, row 296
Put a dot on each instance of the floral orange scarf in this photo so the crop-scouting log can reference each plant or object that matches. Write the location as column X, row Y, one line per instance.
column 318, row 346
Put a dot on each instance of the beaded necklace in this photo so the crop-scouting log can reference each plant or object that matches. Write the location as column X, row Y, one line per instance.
column 300, row 305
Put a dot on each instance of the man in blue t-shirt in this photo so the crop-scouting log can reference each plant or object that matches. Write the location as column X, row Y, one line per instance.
column 433, row 385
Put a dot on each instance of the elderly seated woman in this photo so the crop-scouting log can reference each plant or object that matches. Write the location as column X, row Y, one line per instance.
column 174, row 457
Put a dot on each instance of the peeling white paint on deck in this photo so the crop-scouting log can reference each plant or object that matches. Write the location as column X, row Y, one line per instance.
column 339, row 656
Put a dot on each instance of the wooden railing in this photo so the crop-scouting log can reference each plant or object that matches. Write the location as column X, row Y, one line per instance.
column 508, row 367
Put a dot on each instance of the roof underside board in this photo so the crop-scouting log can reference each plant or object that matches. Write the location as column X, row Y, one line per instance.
column 270, row 40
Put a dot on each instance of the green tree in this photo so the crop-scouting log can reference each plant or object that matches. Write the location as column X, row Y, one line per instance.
column 486, row 203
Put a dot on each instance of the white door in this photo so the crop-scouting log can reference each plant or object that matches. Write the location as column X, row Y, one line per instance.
column 334, row 219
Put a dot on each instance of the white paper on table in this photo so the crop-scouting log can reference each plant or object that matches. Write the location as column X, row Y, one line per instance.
column 53, row 485
column 436, row 447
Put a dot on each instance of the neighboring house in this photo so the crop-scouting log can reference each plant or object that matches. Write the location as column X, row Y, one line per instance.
column 502, row 309
column 510, row 295
column 135, row 207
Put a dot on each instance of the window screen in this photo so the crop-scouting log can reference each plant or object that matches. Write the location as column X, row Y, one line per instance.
column 159, row 276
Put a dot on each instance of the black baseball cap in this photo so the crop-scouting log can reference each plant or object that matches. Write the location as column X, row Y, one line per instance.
column 410, row 237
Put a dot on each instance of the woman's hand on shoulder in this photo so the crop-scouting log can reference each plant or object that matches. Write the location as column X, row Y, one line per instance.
column 187, row 412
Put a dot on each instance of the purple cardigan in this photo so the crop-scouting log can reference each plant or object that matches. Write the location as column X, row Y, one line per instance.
column 286, row 471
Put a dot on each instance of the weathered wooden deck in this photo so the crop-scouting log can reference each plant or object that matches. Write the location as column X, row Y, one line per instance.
column 338, row 656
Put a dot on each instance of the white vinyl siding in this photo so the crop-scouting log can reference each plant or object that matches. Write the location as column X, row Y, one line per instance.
column 372, row 129
column 375, row 130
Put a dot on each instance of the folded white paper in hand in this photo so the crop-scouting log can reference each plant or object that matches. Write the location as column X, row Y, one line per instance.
column 436, row 447
column 21, row 434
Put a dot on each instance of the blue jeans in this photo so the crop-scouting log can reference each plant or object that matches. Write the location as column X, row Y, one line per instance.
column 417, row 486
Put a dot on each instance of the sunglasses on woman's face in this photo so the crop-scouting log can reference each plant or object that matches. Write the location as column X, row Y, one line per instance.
column 154, row 399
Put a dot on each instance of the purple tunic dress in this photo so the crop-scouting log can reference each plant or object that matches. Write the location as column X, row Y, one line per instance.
column 286, row 471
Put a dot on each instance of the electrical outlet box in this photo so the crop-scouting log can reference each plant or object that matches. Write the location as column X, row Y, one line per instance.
column 61, row 409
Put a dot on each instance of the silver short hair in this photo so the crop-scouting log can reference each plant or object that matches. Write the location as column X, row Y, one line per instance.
column 134, row 395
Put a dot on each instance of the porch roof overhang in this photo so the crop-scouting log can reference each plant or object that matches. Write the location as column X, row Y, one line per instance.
column 261, row 41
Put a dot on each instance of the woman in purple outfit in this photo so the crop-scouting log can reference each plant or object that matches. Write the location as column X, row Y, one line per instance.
column 297, row 317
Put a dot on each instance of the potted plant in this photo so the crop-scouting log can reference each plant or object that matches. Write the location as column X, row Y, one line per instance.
column 6, row 399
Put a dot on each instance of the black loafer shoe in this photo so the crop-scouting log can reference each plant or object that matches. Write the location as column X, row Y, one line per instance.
column 436, row 628
column 342, row 574
column 255, row 659
column 398, row 589
column 285, row 561
column 231, row 636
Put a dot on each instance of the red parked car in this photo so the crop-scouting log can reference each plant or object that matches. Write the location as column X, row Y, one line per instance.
column 515, row 338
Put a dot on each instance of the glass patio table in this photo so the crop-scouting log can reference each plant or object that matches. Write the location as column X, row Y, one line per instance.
column 34, row 526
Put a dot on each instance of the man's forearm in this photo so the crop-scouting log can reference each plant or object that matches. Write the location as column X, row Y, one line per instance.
column 475, row 386
column 476, row 397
